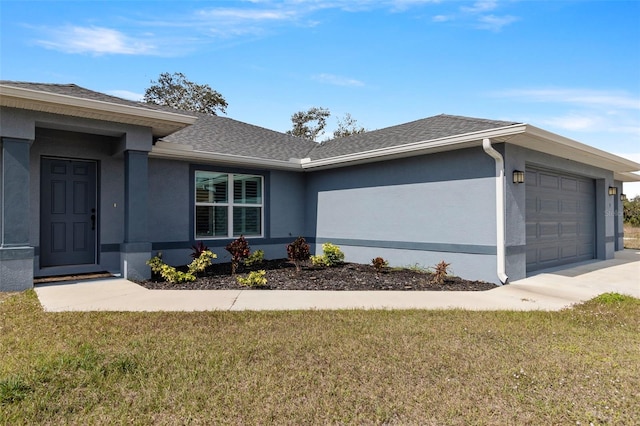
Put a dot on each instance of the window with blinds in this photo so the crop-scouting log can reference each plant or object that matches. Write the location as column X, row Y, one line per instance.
column 228, row 205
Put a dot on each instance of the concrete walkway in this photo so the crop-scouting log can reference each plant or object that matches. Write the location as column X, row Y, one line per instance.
column 551, row 290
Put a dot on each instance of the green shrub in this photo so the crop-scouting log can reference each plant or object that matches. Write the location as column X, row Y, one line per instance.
column 255, row 258
column 318, row 260
column 254, row 279
column 169, row 273
column 202, row 262
column 172, row 275
column 239, row 250
column 332, row 254
column 298, row 252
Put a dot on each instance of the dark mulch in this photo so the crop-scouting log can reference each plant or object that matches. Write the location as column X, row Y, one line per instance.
column 281, row 275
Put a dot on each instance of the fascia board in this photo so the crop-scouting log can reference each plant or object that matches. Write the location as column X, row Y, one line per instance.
column 184, row 153
column 415, row 148
column 95, row 105
column 574, row 150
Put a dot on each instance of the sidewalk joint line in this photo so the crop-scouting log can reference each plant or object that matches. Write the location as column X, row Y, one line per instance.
column 234, row 300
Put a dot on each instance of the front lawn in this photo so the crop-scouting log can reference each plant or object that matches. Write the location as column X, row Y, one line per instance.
column 318, row 367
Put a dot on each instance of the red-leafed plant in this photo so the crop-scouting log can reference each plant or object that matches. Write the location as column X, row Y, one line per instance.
column 239, row 250
column 379, row 264
column 198, row 249
column 298, row 252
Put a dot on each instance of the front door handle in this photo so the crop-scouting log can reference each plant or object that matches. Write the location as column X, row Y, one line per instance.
column 93, row 220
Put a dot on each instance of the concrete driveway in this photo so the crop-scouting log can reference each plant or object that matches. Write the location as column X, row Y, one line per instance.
column 549, row 290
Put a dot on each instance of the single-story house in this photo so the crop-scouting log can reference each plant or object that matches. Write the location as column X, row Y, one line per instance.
column 92, row 182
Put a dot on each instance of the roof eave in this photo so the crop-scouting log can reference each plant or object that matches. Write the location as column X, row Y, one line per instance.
column 185, row 152
column 163, row 122
column 561, row 146
column 415, row 148
column 626, row 177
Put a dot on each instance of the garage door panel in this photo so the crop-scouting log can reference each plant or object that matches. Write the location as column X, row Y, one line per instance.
column 548, row 230
column 569, row 230
column 531, row 231
column 585, row 251
column 569, row 184
column 549, row 181
column 570, row 207
column 560, row 219
column 568, row 251
column 548, row 254
column 548, row 206
column 585, row 187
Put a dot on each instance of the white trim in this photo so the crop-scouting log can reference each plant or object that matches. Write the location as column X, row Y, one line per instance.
column 440, row 144
column 626, row 177
column 500, row 211
column 185, row 152
column 229, row 205
column 92, row 104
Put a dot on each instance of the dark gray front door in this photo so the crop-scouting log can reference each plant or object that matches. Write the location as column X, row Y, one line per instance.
column 560, row 217
column 68, row 218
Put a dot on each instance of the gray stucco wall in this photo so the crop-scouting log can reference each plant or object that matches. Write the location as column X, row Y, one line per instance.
column 618, row 219
column 86, row 139
column 417, row 210
column 171, row 210
column 518, row 158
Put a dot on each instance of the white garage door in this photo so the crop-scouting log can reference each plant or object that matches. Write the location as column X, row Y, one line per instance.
column 560, row 217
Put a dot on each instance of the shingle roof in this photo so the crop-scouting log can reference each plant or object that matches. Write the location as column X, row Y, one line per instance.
column 227, row 136
column 224, row 135
column 79, row 92
column 426, row 129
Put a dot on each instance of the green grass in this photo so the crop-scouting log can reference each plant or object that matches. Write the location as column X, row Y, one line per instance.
column 319, row 367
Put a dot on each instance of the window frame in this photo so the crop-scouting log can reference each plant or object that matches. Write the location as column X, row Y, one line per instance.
column 230, row 204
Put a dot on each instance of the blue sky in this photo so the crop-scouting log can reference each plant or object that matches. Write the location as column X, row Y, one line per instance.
column 570, row 67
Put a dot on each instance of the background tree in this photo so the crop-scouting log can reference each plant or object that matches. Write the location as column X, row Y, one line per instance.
column 309, row 124
column 347, row 127
column 174, row 90
column 631, row 211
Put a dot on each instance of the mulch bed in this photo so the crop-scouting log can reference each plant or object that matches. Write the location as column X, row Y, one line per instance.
column 281, row 275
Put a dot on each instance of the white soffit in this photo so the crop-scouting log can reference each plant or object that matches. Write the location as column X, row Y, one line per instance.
column 541, row 140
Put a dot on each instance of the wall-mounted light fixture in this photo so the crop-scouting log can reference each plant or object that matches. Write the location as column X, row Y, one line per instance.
column 613, row 190
column 623, row 197
column 518, row 176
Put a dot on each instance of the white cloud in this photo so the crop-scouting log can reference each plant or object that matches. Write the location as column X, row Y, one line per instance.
column 480, row 6
column 575, row 122
column 582, row 97
column 495, row 23
column 95, row 40
column 178, row 35
column 249, row 15
column 337, row 80
column 441, row 18
column 126, row 94
column 478, row 17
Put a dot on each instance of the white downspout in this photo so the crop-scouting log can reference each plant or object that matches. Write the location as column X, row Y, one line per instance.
column 500, row 209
